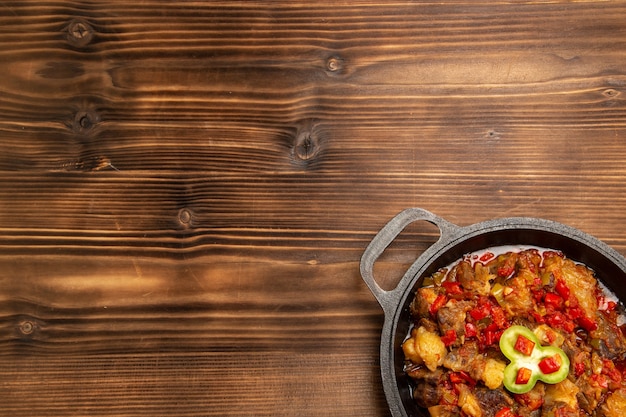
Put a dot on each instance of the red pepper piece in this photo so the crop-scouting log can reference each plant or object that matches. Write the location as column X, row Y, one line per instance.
column 558, row 320
column 523, row 376
column 455, row 378
column 553, row 301
column 486, row 257
column 600, row 380
column 462, row 377
column 615, row 376
column 575, row 313
column 538, row 294
column 505, row 271
column 452, row 287
column 470, row 330
column 480, row 312
column 508, row 267
column 562, row 289
column 498, row 317
column 505, row 412
column 550, row 364
column 491, row 335
column 587, row 324
column 524, row 345
column 538, row 317
column 439, row 302
column 449, row 337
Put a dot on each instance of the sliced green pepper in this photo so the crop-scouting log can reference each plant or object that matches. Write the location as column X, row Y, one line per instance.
column 545, row 363
column 497, row 291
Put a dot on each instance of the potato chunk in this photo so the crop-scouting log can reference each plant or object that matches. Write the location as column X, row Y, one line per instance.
column 425, row 347
column 493, row 373
column 468, row 402
column 615, row 404
column 563, row 392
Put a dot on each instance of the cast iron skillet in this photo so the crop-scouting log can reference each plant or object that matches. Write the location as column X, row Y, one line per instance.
column 453, row 243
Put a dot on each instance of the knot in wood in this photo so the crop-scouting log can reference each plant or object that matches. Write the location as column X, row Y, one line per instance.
column 611, row 93
column 84, row 121
column 185, row 217
column 492, row 134
column 334, row 64
column 307, row 142
column 306, row 146
column 79, row 32
column 26, row 327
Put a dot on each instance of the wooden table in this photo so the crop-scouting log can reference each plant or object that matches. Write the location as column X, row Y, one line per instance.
column 187, row 187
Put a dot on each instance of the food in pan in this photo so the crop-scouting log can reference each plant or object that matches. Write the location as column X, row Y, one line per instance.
column 516, row 333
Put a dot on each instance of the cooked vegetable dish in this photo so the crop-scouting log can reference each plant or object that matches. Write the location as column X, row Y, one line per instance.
column 523, row 333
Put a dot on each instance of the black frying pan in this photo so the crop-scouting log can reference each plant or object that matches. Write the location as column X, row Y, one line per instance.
column 453, row 243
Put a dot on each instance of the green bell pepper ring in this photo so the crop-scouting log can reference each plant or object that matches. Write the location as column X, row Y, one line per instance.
column 530, row 361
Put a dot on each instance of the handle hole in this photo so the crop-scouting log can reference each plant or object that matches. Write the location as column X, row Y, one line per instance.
column 396, row 259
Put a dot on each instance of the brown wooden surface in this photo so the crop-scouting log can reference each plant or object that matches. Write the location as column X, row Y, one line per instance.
column 186, row 188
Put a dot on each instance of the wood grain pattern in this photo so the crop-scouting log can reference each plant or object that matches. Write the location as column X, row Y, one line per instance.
column 186, row 187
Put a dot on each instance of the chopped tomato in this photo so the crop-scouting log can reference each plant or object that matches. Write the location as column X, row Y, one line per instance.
column 524, row 345
column 523, row 376
column 452, row 287
column 579, row 369
column 550, row 364
column 439, row 302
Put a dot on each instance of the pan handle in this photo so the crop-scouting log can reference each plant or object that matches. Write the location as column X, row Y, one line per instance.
column 389, row 299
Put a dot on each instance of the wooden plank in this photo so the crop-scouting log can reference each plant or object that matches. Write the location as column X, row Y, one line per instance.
column 239, row 384
column 140, row 337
